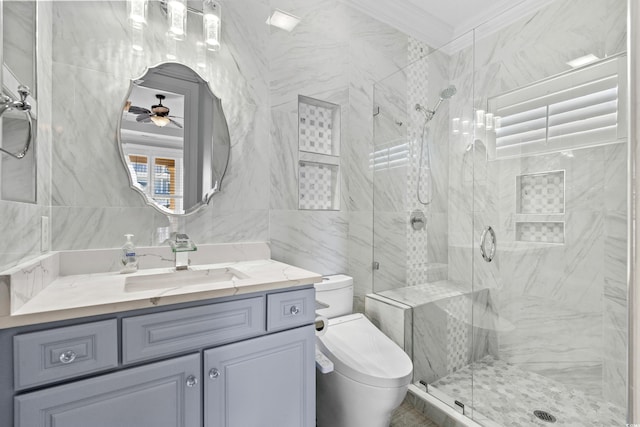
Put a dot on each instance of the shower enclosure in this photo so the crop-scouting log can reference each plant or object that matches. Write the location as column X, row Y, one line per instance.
column 500, row 221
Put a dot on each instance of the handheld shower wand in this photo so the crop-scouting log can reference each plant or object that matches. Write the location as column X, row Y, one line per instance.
column 445, row 94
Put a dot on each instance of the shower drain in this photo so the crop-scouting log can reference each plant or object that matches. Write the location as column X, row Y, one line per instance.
column 545, row 416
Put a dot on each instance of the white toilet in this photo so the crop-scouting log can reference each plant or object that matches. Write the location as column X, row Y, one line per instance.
column 371, row 373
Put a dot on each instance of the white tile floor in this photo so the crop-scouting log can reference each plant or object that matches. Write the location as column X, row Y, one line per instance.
column 508, row 395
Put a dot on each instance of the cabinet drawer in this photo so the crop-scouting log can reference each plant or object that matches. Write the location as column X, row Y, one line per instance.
column 56, row 354
column 291, row 309
column 171, row 332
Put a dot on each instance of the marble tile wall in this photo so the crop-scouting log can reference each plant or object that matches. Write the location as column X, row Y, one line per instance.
column 566, row 302
column 336, row 54
column 92, row 205
column 20, row 222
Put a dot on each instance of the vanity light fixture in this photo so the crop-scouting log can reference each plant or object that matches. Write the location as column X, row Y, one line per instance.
column 177, row 18
column 283, row 20
column 137, row 11
column 211, row 16
column 583, row 60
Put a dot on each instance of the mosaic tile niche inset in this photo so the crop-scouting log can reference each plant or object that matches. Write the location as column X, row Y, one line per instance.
column 541, row 193
column 318, row 126
column 318, row 186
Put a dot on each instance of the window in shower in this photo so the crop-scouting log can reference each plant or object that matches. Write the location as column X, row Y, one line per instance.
column 577, row 109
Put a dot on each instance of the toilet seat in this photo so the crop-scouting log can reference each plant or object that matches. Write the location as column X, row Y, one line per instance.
column 361, row 352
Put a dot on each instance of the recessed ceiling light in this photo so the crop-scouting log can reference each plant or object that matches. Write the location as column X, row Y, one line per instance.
column 583, row 60
column 283, row 20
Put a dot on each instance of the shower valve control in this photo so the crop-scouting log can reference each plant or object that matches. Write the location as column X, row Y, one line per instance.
column 418, row 220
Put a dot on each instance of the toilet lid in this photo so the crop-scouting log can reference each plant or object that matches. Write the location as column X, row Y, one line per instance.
column 363, row 353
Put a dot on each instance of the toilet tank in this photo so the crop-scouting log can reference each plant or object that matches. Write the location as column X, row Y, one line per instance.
column 337, row 292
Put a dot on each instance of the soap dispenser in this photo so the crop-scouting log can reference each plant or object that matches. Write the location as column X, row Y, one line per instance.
column 129, row 258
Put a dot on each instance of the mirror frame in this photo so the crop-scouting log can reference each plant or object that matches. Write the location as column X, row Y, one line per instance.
column 148, row 200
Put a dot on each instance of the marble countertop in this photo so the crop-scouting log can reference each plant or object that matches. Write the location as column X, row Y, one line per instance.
column 80, row 295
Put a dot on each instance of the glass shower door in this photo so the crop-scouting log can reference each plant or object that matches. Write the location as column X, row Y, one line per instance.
column 422, row 249
column 550, row 182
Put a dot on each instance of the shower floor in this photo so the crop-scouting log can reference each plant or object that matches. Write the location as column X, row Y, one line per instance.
column 508, row 395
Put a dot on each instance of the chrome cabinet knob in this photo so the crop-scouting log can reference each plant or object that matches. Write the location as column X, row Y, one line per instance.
column 68, row 356
column 214, row 373
column 294, row 310
column 192, row 381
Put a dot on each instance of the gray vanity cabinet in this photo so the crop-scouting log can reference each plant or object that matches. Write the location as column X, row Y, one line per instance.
column 266, row 381
column 160, row 394
column 239, row 362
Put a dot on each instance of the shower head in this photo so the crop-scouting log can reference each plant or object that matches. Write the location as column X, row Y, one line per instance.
column 446, row 93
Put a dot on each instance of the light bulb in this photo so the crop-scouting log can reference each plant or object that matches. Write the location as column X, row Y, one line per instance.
column 177, row 16
column 211, row 24
column 137, row 11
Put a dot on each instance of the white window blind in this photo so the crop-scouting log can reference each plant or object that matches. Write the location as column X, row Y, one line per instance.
column 577, row 109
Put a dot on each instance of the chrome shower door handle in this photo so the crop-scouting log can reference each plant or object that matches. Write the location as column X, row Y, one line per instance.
column 483, row 240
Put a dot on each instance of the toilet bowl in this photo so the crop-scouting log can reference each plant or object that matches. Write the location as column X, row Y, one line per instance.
column 371, row 373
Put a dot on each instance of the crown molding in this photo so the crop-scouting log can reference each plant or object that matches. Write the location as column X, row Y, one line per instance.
column 417, row 22
column 408, row 18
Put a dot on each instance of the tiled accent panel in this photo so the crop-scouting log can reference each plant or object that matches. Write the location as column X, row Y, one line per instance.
column 541, row 193
column 442, row 341
column 428, row 246
column 318, row 186
column 541, row 232
column 458, row 333
column 315, row 129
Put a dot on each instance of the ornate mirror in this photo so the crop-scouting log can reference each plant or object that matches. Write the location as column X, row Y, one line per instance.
column 173, row 139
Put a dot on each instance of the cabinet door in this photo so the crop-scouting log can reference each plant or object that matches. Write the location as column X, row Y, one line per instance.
column 265, row 381
column 162, row 394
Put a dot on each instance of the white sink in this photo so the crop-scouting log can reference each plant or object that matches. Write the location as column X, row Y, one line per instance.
column 178, row 279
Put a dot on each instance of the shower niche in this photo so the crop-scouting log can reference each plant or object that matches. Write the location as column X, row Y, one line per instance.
column 540, row 207
column 318, row 154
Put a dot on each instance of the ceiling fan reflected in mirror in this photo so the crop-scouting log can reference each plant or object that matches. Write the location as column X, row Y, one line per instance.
column 158, row 115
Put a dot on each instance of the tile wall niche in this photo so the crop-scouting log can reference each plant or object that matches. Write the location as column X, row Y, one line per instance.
column 318, row 154
column 351, row 51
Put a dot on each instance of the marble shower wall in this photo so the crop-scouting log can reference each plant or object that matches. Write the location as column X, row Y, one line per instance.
column 20, row 222
column 565, row 303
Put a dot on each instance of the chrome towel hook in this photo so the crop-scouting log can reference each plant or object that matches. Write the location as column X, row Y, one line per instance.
column 6, row 104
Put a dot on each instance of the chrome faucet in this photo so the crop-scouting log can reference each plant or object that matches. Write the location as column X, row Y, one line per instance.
column 181, row 246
